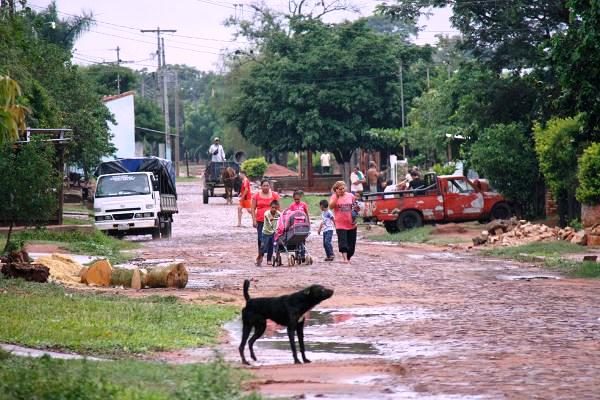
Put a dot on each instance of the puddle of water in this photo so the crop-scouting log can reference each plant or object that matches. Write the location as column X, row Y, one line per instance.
column 526, row 277
column 358, row 348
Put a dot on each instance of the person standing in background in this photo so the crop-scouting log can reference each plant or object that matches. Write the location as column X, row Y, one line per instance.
column 245, row 198
column 357, row 179
column 325, row 163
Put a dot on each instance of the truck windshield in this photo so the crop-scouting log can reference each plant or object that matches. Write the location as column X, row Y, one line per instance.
column 122, row 185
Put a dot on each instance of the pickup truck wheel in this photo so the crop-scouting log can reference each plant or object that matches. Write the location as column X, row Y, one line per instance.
column 205, row 196
column 391, row 226
column 409, row 219
column 501, row 211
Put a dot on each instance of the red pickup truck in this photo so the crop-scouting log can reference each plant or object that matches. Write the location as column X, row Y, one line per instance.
column 441, row 199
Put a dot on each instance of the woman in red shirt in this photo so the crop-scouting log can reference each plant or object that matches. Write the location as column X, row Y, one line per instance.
column 342, row 203
column 261, row 202
column 245, row 197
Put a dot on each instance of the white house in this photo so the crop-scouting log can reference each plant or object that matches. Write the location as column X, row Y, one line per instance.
column 122, row 108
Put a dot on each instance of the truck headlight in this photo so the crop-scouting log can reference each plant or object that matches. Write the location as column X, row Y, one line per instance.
column 144, row 215
column 104, row 218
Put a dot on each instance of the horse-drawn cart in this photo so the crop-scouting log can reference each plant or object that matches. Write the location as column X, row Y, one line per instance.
column 216, row 176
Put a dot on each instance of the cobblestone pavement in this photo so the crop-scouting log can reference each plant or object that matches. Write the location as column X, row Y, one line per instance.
column 444, row 324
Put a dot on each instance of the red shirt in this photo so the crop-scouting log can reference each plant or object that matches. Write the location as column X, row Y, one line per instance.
column 263, row 204
column 302, row 206
column 343, row 211
column 246, row 187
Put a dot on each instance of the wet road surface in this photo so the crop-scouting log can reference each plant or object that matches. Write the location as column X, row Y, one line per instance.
column 405, row 321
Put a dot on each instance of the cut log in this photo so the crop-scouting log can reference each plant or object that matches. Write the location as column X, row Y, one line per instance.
column 136, row 280
column 99, row 274
column 121, row 277
column 29, row 272
column 171, row 276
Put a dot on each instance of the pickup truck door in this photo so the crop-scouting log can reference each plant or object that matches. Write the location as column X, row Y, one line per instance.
column 461, row 200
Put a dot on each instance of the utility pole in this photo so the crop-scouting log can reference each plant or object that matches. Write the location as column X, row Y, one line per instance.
column 402, row 107
column 160, row 55
column 118, row 49
column 177, row 123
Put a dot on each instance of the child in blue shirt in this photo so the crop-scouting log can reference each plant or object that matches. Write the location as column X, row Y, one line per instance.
column 327, row 226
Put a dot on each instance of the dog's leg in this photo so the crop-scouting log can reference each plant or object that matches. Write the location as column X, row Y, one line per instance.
column 300, row 332
column 259, row 329
column 291, row 330
column 245, row 333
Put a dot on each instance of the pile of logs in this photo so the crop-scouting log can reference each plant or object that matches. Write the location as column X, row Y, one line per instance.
column 100, row 273
column 515, row 232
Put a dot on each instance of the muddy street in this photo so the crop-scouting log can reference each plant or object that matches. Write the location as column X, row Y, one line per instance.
column 405, row 321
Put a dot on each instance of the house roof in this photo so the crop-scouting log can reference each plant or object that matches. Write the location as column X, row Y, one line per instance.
column 106, row 99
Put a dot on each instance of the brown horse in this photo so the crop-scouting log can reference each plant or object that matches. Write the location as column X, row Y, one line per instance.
column 228, row 176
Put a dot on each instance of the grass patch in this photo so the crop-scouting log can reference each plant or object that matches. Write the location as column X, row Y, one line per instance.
column 311, row 200
column 47, row 316
column 46, row 378
column 550, row 254
column 532, row 251
column 95, row 243
column 77, row 221
column 417, row 235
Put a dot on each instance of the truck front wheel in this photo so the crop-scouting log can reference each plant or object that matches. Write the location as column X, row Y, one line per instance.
column 391, row 226
column 409, row 219
column 156, row 233
column 501, row 211
column 166, row 230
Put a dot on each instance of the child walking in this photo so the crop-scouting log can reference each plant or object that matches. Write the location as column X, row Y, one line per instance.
column 269, row 226
column 327, row 226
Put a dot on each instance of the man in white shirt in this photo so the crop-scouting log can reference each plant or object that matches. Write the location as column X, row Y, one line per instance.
column 325, row 162
column 216, row 151
column 357, row 178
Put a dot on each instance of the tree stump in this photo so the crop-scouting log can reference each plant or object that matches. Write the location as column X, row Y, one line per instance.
column 171, row 276
column 99, row 274
column 29, row 272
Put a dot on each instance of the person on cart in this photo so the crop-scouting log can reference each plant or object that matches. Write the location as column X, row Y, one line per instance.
column 216, row 152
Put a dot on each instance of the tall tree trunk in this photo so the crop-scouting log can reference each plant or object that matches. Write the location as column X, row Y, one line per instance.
column 10, row 228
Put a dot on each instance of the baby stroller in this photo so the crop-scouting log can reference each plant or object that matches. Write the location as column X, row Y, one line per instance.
column 292, row 231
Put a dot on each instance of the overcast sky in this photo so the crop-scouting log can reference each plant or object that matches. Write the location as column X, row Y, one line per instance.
column 201, row 36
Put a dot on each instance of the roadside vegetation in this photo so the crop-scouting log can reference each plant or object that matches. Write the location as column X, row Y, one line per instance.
column 46, row 316
column 423, row 234
column 551, row 255
column 46, row 378
column 93, row 244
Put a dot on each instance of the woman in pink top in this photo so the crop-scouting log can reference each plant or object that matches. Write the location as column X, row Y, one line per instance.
column 261, row 202
column 341, row 204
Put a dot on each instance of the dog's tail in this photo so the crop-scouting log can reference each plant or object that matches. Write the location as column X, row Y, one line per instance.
column 246, row 287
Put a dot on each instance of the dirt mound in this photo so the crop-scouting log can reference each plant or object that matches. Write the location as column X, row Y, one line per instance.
column 276, row 171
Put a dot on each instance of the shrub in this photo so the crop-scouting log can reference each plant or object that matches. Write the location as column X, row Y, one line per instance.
column 255, row 167
column 504, row 155
column 588, row 191
column 440, row 169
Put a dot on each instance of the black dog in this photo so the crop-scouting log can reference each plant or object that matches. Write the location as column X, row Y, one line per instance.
column 285, row 310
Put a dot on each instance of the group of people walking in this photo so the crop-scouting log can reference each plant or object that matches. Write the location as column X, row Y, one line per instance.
column 338, row 214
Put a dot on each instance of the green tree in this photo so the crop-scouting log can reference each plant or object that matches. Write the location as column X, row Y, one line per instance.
column 588, row 191
column 504, row 154
column 12, row 114
column 148, row 114
column 201, row 125
column 323, row 87
column 28, row 194
column 557, row 155
column 106, row 77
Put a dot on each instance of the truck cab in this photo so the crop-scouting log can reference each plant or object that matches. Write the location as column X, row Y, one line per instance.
column 135, row 197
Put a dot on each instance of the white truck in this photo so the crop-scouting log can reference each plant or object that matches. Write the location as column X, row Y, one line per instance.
column 135, row 196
